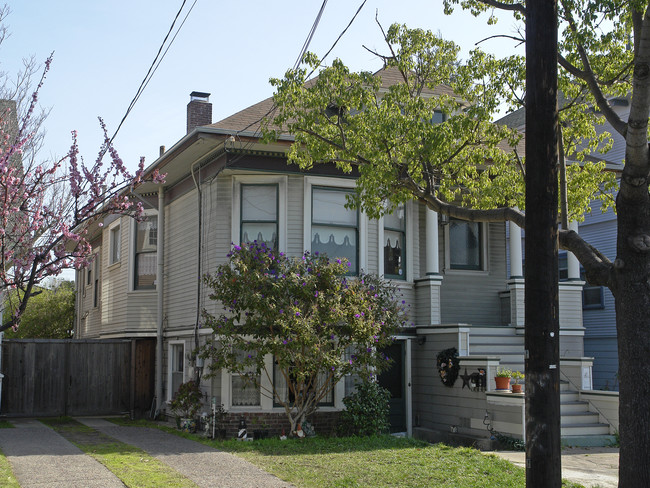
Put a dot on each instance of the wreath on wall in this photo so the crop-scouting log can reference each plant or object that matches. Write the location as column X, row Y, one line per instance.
column 448, row 366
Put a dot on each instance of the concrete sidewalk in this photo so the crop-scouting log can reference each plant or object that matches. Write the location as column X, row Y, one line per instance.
column 206, row 466
column 42, row 458
column 589, row 466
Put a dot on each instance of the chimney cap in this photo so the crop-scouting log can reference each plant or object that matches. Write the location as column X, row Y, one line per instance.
column 199, row 96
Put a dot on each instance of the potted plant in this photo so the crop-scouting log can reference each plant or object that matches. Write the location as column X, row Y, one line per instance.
column 517, row 376
column 502, row 379
column 186, row 403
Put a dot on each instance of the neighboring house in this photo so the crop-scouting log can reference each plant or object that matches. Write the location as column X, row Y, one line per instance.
column 599, row 230
column 224, row 186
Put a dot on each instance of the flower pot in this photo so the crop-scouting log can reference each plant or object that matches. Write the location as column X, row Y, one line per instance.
column 516, row 388
column 503, row 383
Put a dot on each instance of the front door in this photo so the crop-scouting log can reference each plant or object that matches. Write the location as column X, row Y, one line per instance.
column 393, row 380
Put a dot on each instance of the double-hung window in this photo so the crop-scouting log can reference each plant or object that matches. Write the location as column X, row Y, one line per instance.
column 146, row 246
column 114, row 245
column 395, row 244
column 465, row 245
column 176, row 367
column 96, row 264
column 244, row 393
column 334, row 228
column 259, row 214
column 311, row 386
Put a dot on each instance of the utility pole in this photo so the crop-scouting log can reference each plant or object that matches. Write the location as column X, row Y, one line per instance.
column 543, row 462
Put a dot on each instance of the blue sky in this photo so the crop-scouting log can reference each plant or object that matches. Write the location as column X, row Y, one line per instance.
column 102, row 50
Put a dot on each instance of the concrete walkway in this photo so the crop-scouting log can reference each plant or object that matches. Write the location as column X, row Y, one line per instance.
column 206, row 466
column 42, row 458
column 589, row 466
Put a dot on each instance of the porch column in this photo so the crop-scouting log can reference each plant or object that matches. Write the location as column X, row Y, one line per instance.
column 516, row 269
column 573, row 265
column 433, row 264
column 516, row 282
column 427, row 289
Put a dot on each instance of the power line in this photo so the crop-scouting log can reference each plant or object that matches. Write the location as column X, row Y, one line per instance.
column 305, row 46
column 304, row 50
column 156, row 62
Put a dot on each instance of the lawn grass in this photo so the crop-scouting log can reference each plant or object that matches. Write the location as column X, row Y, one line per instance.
column 382, row 461
column 7, row 478
column 133, row 466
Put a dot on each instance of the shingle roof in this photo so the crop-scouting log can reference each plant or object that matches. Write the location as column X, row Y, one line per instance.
column 249, row 119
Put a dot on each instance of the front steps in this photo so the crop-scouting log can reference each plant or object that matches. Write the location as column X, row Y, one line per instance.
column 579, row 426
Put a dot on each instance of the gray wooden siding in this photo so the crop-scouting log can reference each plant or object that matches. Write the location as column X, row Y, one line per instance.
column 295, row 215
column 115, row 280
column 181, row 250
column 473, row 297
column 436, row 406
column 605, row 368
column 599, row 230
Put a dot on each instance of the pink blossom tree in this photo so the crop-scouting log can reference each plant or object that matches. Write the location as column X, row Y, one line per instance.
column 45, row 209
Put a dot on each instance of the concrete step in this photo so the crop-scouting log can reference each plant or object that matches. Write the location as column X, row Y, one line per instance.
column 483, row 349
column 567, row 396
column 567, row 408
column 584, row 429
column 575, row 418
column 589, row 441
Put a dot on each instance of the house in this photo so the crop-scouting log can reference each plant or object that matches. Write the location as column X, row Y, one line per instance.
column 224, row 186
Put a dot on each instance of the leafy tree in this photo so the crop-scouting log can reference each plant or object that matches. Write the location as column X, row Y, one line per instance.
column 49, row 313
column 317, row 324
column 45, row 207
column 385, row 134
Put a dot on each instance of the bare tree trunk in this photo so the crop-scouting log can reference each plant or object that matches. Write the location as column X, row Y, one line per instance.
column 543, row 464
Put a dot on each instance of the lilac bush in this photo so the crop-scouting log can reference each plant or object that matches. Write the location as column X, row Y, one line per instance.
column 316, row 323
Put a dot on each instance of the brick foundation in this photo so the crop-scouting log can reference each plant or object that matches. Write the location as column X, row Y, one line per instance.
column 324, row 422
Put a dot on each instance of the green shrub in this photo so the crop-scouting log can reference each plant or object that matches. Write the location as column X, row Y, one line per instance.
column 366, row 411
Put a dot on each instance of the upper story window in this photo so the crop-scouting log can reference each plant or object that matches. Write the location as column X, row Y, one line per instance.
column 146, row 246
column 395, row 244
column 438, row 117
column 96, row 263
column 465, row 245
column 334, row 228
column 114, row 245
column 259, row 214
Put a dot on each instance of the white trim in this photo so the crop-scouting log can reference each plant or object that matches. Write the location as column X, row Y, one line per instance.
column 114, row 227
column 346, row 184
column 282, row 182
column 485, row 238
column 170, row 345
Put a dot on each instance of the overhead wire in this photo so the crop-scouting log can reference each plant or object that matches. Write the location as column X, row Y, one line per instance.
column 302, row 53
column 156, row 62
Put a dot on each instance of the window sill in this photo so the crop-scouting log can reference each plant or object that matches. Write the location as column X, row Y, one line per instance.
column 466, row 272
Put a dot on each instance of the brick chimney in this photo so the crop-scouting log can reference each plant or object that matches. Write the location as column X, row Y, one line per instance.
column 199, row 110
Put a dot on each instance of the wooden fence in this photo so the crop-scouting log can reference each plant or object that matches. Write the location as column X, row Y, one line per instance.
column 50, row 377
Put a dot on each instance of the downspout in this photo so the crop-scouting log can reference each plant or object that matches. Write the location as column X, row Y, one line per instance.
column 160, row 280
column 197, row 369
